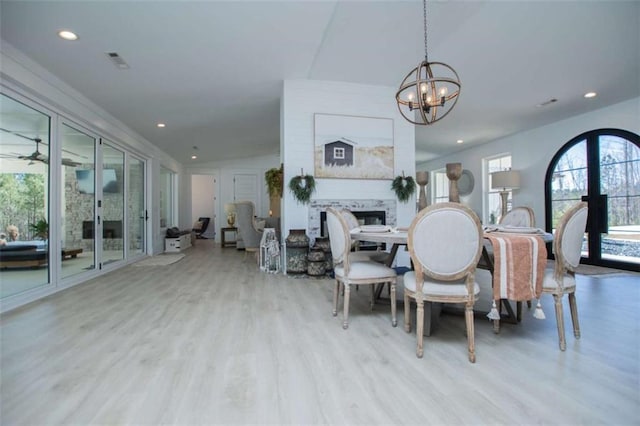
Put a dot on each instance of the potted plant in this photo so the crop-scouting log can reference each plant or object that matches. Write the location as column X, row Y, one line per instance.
column 40, row 229
column 274, row 178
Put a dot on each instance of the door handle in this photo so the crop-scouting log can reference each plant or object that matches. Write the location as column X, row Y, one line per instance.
column 603, row 214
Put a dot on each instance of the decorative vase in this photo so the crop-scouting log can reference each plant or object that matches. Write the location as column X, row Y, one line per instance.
column 422, row 179
column 324, row 244
column 316, row 264
column 297, row 243
column 454, row 171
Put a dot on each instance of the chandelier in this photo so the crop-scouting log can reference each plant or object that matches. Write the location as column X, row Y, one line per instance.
column 430, row 91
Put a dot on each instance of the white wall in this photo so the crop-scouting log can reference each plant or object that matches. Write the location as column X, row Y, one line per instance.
column 533, row 150
column 300, row 101
column 224, row 172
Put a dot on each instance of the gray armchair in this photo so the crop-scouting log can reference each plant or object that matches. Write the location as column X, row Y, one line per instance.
column 247, row 231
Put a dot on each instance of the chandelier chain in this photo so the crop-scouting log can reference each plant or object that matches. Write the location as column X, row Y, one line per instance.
column 424, row 14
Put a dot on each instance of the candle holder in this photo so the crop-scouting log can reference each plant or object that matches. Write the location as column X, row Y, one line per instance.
column 454, row 171
column 422, row 179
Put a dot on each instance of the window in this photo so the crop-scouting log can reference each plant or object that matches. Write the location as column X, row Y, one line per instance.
column 166, row 197
column 440, row 186
column 492, row 206
column 338, row 153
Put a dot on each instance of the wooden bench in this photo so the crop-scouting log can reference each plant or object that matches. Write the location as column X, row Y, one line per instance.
column 70, row 253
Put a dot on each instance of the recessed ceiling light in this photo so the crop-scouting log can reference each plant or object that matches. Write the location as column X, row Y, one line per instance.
column 193, row 157
column 67, row 35
column 590, row 95
column 459, row 141
column 161, row 125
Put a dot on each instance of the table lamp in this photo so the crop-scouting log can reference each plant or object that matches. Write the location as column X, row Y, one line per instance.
column 505, row 180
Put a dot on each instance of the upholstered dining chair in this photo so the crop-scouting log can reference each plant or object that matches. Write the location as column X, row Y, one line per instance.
column 245, row 211
column 375, row 255
column 349, row 272
column 519, row 216
column 445, row 242
column 560, row 276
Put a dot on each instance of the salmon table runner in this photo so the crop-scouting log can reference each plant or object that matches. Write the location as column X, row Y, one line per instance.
column 518, row 266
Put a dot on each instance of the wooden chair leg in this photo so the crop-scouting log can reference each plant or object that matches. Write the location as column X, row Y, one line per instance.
column 407, row 313
column 574, row 315
column 345, row 317
column 372, row 295
column 468, row 313
column 394, row 319
column 336, row 291
column 560, row 321
column 420, row 327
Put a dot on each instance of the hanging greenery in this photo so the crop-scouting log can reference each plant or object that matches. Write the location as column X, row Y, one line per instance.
column 302, row 187
column 404, row 187
column 275, row 181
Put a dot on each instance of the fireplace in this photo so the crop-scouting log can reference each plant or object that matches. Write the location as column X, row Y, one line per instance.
column 376, row 217
column 110, row 229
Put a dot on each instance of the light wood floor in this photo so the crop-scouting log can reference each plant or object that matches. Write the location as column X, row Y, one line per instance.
column 210, row 339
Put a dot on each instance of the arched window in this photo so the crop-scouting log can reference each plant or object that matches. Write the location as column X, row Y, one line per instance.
column 601, row 167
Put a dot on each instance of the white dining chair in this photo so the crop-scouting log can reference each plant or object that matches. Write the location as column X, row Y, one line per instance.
column 560, row 276
column 519, row 216
column 445, row 242
column 356, row 255
column 349, row 272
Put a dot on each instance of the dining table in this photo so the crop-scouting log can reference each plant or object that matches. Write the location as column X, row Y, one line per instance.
column 507, row 282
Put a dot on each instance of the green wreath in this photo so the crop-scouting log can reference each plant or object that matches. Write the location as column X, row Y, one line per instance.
column 404, row 187
column 301, row 192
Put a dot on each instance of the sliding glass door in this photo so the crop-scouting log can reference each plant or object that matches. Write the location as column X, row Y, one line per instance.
column 78, row 201
column 137, row 212
column 112, row 204
column 24, row 197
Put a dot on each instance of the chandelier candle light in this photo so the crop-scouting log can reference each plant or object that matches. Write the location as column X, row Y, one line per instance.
column 431, row 89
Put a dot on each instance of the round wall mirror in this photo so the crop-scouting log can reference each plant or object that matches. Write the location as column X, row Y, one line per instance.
column 465, row 183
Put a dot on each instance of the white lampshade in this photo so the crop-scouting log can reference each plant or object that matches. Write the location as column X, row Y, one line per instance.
column 230, row 208
column 507, row 179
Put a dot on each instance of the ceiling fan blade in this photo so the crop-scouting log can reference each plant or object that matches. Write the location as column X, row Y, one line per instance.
column 69, row 162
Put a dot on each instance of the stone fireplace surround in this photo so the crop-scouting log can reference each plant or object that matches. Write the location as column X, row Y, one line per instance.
column 318, row 206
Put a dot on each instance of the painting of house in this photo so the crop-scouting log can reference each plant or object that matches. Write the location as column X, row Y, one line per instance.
column 350, row 147
column 339, row 153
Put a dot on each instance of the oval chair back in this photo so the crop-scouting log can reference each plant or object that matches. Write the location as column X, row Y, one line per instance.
column 445, row 241
column 339, row 238
column 519, row 216
column 567, row 245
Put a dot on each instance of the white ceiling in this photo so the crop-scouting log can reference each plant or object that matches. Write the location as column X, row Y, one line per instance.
column 213, row 71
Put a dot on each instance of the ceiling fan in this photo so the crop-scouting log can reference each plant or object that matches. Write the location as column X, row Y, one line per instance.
column 37, row 155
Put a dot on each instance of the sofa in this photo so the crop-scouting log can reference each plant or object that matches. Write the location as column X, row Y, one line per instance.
column 23, row 254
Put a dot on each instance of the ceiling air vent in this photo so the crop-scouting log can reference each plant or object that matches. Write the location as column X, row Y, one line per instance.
column 117, row 60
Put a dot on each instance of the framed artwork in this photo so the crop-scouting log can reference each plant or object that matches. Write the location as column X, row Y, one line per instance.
column 350, row 147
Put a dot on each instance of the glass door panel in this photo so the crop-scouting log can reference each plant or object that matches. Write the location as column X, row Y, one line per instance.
column 136, row 207
column 78, row 201
column 620, row 194
column 112, row 204
column 569, row 183
column 24, row 197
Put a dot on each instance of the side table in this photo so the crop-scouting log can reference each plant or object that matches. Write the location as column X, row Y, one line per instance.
column 223, row 240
